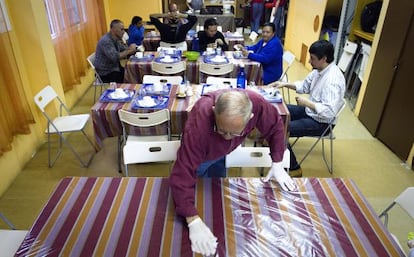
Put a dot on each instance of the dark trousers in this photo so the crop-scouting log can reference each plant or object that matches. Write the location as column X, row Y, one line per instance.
column 214, row 168
column 302, row 125
column 115, row 76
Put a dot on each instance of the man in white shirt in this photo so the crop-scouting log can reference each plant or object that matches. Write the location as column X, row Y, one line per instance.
column 326, row 88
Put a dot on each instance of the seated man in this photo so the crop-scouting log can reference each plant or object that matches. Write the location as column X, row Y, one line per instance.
column 175, row 31
column 326, row 88
column 268, row 51
column 218, row 123
column 210, row 37
column 109, row 51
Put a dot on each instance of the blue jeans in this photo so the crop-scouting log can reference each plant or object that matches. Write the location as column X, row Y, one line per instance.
column 257, row 11
column 302, row 125
column 214, row 168
column 277, row 21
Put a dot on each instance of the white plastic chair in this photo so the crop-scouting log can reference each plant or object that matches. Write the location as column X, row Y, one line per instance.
column 63, row 123
column 405, row 200
column 327, row 134
column 216, row 69
column 149, row 151
column 222, row 81
column 98, row 81
column 175, row 80
column 129, row 120
column 10, row 240
column 248, row 156
column 288, row 58
column 181, row 45
column 168, row 68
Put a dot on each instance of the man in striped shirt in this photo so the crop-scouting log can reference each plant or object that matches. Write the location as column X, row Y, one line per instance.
column 325, row 85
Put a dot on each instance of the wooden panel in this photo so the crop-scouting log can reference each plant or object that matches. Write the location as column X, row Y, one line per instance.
column 387, row 55
column 396, row 129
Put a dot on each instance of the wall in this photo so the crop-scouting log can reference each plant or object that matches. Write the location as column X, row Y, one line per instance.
column 37, row 66
column 304, row 22
column 126, row 9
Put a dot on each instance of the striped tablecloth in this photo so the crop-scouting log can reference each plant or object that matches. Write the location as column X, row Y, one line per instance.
column 135, row 69
column 106, row 121
column 136, row 217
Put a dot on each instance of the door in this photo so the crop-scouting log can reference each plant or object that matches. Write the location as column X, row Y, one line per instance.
column 396, row 127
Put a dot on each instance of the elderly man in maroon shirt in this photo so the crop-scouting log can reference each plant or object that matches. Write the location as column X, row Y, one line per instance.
column 218, row 123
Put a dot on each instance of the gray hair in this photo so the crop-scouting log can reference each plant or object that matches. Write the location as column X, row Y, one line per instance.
column 234, row 104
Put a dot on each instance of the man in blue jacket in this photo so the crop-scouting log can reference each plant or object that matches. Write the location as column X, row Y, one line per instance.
column 268, row 51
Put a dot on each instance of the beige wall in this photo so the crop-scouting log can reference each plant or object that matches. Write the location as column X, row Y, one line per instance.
column 36, row 61
column 304, row 22
column 126, row 9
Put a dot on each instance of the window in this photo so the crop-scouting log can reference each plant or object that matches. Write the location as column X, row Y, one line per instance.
column 64, row 14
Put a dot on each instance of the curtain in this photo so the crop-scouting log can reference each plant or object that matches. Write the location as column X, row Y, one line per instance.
column 15, row 114
column 79, row 25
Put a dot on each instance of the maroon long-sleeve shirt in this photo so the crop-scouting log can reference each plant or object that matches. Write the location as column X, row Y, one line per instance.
column 200, row 143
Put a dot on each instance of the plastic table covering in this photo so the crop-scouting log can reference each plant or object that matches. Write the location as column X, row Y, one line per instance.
column 136, row 217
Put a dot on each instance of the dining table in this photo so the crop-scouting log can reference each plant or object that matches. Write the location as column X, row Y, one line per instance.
column 136, row 68
column 106, row 121
column 135, row 216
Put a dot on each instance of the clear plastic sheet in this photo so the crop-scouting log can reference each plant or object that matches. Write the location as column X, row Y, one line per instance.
column 136, row 217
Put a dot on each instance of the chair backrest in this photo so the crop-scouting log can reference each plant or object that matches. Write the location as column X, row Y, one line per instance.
column 216, row 69
column 168, row 68
column 144, row 119
column 91, row 59
column 288, row 57
column 406, row 201
column 44, row 97
column 253, row 157
column 222, row 81
column 175, row 80
column 181, row 45
column 154, row 151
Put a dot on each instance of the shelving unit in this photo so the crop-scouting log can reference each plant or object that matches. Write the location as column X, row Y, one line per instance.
column 357, row 33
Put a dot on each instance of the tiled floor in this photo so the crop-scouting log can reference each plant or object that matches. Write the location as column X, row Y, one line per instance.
column 380, row 175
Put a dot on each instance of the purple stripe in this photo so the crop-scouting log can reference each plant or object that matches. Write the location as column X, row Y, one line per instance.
column 100, row 220
column 273, row 211
column 72, row 216
column 246, row 219
column 372, row 237
column 160, row 218
column 31, row 239
column 149, row 216
column 177, row 233
column 218, row 215
column 87, row 224
column 129, row 219
column 337, row 227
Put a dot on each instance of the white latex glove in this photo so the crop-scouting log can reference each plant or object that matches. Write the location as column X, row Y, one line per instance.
column 282, row 177
column 202, row 240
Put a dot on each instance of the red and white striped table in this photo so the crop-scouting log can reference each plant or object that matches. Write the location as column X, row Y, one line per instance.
column 135, row 217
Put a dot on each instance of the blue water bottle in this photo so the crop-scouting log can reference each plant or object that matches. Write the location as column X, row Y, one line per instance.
column 241, row 78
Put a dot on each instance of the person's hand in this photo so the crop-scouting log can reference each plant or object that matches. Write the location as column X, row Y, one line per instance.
column 245, row 52
column 202, row 240
column 132, row 48
column 238, row 47
column 302, row 101
column 219, row 41
column 281, row 176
